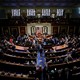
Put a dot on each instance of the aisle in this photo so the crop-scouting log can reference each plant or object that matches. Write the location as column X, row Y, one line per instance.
column 41, row 62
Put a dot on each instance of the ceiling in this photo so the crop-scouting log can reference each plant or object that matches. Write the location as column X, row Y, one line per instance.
column 39, row 3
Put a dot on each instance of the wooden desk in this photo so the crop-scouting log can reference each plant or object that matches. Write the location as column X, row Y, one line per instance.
column 21, row 48
column 60, row 47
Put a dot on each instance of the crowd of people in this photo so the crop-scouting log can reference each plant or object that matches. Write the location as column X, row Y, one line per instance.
column 72, row 41
column 37, row 44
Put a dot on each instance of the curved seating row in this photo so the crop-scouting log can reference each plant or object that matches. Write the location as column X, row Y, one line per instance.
column 65, row 73
column 17, row 66
column 14, row 76
column 20, row 53
column 15, row 61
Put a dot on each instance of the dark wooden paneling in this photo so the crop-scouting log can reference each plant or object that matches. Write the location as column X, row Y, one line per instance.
column 14, row 31
column 22, row 30
column 55, row 30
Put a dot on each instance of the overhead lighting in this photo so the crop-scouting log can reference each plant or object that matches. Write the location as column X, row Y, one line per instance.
column 79, row 10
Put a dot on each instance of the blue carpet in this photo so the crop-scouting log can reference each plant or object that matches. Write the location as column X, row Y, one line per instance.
column 41, row 60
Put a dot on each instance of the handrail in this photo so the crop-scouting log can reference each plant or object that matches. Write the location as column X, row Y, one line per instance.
column 18, row 57
column 21, row 52
column 70, row 62
column 57, row 57
column 17, row 76
column 16, row 64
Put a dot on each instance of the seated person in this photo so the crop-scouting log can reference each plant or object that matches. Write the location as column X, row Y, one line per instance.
column 12, row 47
column 74, row 54
column 68, row 58
column 27, row 51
